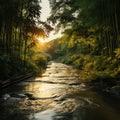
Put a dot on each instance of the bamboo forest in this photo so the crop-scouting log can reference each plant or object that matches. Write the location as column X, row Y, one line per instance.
column 59, row 60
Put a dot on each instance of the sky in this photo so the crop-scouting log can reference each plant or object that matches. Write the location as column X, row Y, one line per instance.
column 45, row 13
column 45, row 10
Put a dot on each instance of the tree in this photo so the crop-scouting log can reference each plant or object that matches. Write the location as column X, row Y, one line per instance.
column 19, row 22
column 100, row 16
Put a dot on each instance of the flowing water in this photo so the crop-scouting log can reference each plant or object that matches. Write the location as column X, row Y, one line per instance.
column 59, row 94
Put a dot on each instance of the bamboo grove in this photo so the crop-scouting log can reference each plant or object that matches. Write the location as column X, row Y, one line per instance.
column 99, row 18
column 18, row 23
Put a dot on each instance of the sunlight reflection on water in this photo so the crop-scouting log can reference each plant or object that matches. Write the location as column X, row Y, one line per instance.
column 45, row 115
column 57, row 96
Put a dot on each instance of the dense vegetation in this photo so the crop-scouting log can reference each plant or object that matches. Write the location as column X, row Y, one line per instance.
column 91, row 38
column 90, row 41
column 19, row 26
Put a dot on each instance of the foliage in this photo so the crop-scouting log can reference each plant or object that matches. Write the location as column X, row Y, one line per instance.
column 117, row 52
column 19, row 25
column 98, row 18
column 91, row 38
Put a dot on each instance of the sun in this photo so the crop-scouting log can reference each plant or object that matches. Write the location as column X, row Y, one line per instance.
column 41, row 40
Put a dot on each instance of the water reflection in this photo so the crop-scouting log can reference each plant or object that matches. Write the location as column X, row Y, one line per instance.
column 79, row 114
column 45, row 115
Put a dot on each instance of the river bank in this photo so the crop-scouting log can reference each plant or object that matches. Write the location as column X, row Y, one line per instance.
column 109, row 87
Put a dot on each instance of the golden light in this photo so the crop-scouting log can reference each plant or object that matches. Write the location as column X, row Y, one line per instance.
column 42, row 40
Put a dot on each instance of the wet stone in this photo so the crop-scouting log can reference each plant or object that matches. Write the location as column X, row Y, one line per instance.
column 20, row 95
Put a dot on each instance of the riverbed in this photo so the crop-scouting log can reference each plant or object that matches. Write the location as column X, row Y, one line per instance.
column 59, row 94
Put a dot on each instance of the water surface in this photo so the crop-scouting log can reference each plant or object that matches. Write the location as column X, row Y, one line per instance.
column 59, row 94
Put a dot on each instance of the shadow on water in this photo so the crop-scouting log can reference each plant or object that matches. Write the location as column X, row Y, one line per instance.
column 12, row 115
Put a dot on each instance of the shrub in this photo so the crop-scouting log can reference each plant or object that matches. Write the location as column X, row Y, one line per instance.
column 117, row 53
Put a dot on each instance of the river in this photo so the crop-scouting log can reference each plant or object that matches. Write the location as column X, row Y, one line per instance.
column 59, row 94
